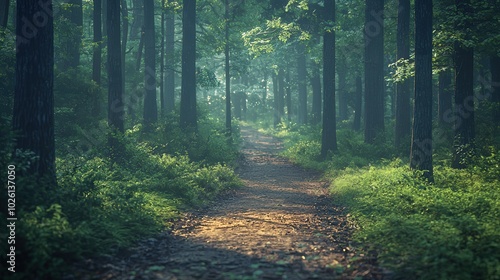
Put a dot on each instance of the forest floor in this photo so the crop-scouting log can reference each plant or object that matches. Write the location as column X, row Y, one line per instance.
column 280, row 225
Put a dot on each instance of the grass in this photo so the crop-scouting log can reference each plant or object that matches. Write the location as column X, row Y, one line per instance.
column 446, row 230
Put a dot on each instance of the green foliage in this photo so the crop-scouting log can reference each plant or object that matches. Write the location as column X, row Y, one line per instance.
column 101, row 206
column 446, row 230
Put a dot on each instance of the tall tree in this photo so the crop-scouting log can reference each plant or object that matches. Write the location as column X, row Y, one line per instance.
column 33, row 115
column 97, row 54
column 276, row 111
column 358, row 104
column 495, row 87
column 302, row 83
column 75, row 15
column 288, row 95
column 342, row 88
column 464, row 89
column 162, row 66
column 403, row 122
column 374, row 69
column 228, row 77
column 329, row 132
column 188, row 115
column 4, row 12
column 170, row 62
column 421, row 146
column 125, row 28
column 115, row 90
column 150, row 104
column 316, row 90
column 445, row 94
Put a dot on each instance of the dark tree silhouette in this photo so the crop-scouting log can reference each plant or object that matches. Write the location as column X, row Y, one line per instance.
column 445, row 95
column 374, row 69
column 170, row 61
column 150, row 104
column 188, row 117
column 115, row 90
column 302, row 83
column 97, row 54
column 33, row 116
column 226, row 61
column 4, row 12
column 464, row 91
column 74, row 14
column 329, row 132
column 421, row 146
column 316, row 90
column 403, row 122
column 358, row 104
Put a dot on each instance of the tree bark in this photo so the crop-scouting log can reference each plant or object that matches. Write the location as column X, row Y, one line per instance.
column 445, row 95
column 170, row 55
column 464, row 94
column 33, row 115
column 342, row 89
column 188, row 116
column 97, row 54
column 125, row 24
column 115, row 90
column 403, row 118
column 75, row 16
column 288, row 92
column 4, row 12
column 276, row 111
column 329, row 132
column 228, row 77
column 356, row 125
column 150, row 104
column 316, row 90
column 281, row 93
column 302, row 83
column 162, row 66
column 421, row 146
column 374, row 69
column 495, row 88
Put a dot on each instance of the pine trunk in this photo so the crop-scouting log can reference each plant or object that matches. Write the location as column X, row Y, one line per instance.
column 421, row 146
column 329, row 132
column 188, row 115
column 33, row 116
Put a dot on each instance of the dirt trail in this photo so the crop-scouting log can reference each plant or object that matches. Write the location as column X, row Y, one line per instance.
column 280, row 225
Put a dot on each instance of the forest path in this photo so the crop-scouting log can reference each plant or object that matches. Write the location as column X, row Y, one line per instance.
column 280, row 225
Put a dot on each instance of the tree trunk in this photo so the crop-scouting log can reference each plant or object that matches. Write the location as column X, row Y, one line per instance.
column 33, row 115
column 281, row 93
column 316, row 90
column 342, row 90
column 188, row 117
column 150, row 104
column 276, row 111
column 495, row 88
column 464, row 94
column 170, row 54
column 374, row 69
column 421, row 146
column 115, row 90
column 356, row 125
column 97, row 55
column 403, row 118
column 264, row 87
column 162, row 66
column 228, row 77
column 139, row 51
column 302, row 83
column 288, row 91
column 329, row 133
column 75, row 15
column 138, row 15
column 4, row 12
column 124, row 11
column 445, row 95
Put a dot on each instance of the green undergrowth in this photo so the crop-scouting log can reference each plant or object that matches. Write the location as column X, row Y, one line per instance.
column 449, row 229
column 100, row 206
